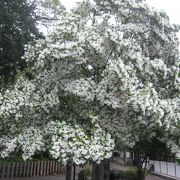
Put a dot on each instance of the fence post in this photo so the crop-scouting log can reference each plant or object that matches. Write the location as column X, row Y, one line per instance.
column 50, row 167
column 12, row 169
column 28, row 172
column 21, row 169
column 47, row 167
column 41, row 168
column 31, row 168
column 45, row 162
column 59, row 168
column 24, row 169
column 8, row 169
column 53, row 167
column 34, row 169
column 160, row 166
column 0, row 169
column 37, row 168
column 17, row 169
column 175, row 168
column 3, row 170
column 56, row 167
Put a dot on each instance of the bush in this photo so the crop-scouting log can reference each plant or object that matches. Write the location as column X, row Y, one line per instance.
column 84, row 174
column 12, row 158
column 130, row 174
column 113, row 175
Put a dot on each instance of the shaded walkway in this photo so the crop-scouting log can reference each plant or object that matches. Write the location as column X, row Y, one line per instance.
column 115, row 166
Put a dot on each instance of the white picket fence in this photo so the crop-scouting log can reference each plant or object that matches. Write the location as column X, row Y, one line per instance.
column 166, row 168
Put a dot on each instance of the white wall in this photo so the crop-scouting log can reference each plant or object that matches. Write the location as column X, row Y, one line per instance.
column 168, row 168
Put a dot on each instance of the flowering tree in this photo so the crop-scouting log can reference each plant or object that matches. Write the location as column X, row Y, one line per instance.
column 109, row 67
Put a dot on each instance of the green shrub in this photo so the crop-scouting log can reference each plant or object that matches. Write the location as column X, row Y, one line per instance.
column 113, row 175
column 121, row 175
column 130, row 174
column 178, row 161
column 12, row 158
column 84, row 174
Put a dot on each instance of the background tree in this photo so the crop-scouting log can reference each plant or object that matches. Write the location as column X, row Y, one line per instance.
column 154, row 147
column 17, row 28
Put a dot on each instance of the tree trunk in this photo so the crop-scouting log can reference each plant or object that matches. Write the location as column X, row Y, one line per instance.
column 135, row 160
column 140, row 174
column 139, row 163
column 74, row 171
column 101, row 171
column 98, row 171
column 69, row 170
column 106, row 169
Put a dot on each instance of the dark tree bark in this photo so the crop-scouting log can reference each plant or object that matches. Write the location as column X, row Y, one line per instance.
column 139, row 161
column 69, row 166
column 74, row 171
column 101, row 171
column 98, row 171
column 106, row 169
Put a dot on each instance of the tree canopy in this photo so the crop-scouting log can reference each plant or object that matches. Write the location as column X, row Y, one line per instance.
column 17, row 28
column 108, row 67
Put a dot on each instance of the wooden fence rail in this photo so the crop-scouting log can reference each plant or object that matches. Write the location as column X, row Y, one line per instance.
column 30, row 168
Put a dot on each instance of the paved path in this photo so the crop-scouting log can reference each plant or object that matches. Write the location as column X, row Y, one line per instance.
column 153, row 177
column 115, row 166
